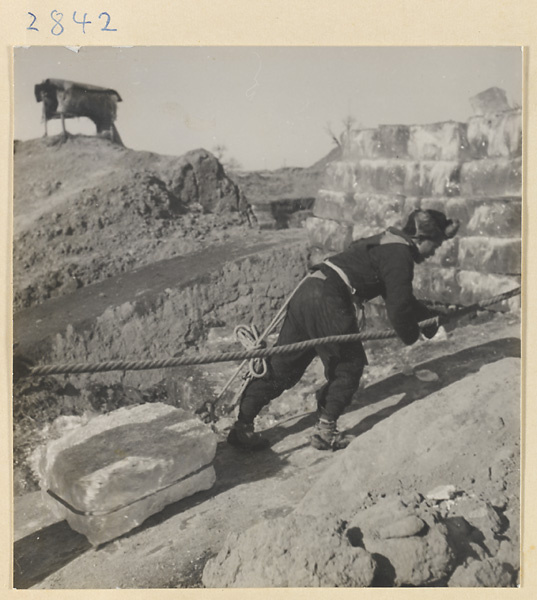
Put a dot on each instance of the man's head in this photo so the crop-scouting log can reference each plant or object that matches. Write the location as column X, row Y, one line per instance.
column 429, row 229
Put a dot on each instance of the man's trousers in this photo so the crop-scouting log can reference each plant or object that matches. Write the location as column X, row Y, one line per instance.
column 322, row 306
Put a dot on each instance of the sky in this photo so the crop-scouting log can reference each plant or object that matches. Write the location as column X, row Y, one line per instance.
column 269, row 106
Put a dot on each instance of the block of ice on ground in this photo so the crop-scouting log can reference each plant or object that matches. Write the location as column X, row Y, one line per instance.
column 108, row 476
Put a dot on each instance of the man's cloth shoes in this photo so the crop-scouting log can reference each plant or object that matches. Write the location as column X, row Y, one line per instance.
column 242, row 435
column 327, row 437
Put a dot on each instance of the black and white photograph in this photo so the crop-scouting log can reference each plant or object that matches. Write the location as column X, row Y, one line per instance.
column 267, row 316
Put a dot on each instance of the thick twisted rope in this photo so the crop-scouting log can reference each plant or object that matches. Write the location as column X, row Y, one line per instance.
column 139, row 365
column 202, row 359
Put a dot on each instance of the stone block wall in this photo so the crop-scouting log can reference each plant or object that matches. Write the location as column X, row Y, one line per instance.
column 471, row 171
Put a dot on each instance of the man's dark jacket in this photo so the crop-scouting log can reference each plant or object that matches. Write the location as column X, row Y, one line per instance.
column 383, row 265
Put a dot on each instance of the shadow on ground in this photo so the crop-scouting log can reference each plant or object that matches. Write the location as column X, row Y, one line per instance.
column 42, row 553
column 450, row 369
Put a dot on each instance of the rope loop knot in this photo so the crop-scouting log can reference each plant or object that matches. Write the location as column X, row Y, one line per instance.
column 249, row 337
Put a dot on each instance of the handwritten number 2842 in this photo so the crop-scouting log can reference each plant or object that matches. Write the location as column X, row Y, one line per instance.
column 58, row 28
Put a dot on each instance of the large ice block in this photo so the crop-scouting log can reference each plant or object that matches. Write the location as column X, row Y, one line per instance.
column 108, row 476
column 325, row 233
column 491, row 177
column 496, row 135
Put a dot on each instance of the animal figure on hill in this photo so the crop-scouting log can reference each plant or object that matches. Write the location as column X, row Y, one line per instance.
column 67, row 99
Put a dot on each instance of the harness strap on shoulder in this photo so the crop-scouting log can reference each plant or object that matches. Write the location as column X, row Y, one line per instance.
column 342, row 274
column 392, row 237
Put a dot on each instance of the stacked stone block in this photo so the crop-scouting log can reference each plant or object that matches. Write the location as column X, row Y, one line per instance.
column 471, row 171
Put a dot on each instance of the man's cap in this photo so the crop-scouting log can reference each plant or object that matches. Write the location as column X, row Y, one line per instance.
column 431, row 224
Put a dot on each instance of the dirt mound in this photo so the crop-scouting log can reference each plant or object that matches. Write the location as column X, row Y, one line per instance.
column 86, row 209
column 423, row 514
column 268, row 555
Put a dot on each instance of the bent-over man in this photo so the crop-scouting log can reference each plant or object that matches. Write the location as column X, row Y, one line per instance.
column 325, row 305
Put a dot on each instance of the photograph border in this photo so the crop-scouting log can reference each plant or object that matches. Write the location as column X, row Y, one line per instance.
column 279, row 23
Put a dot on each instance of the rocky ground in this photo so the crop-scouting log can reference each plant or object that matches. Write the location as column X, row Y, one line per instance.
column 426, row 495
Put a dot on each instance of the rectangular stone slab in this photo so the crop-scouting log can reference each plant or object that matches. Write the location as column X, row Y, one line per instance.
column 109, row 475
